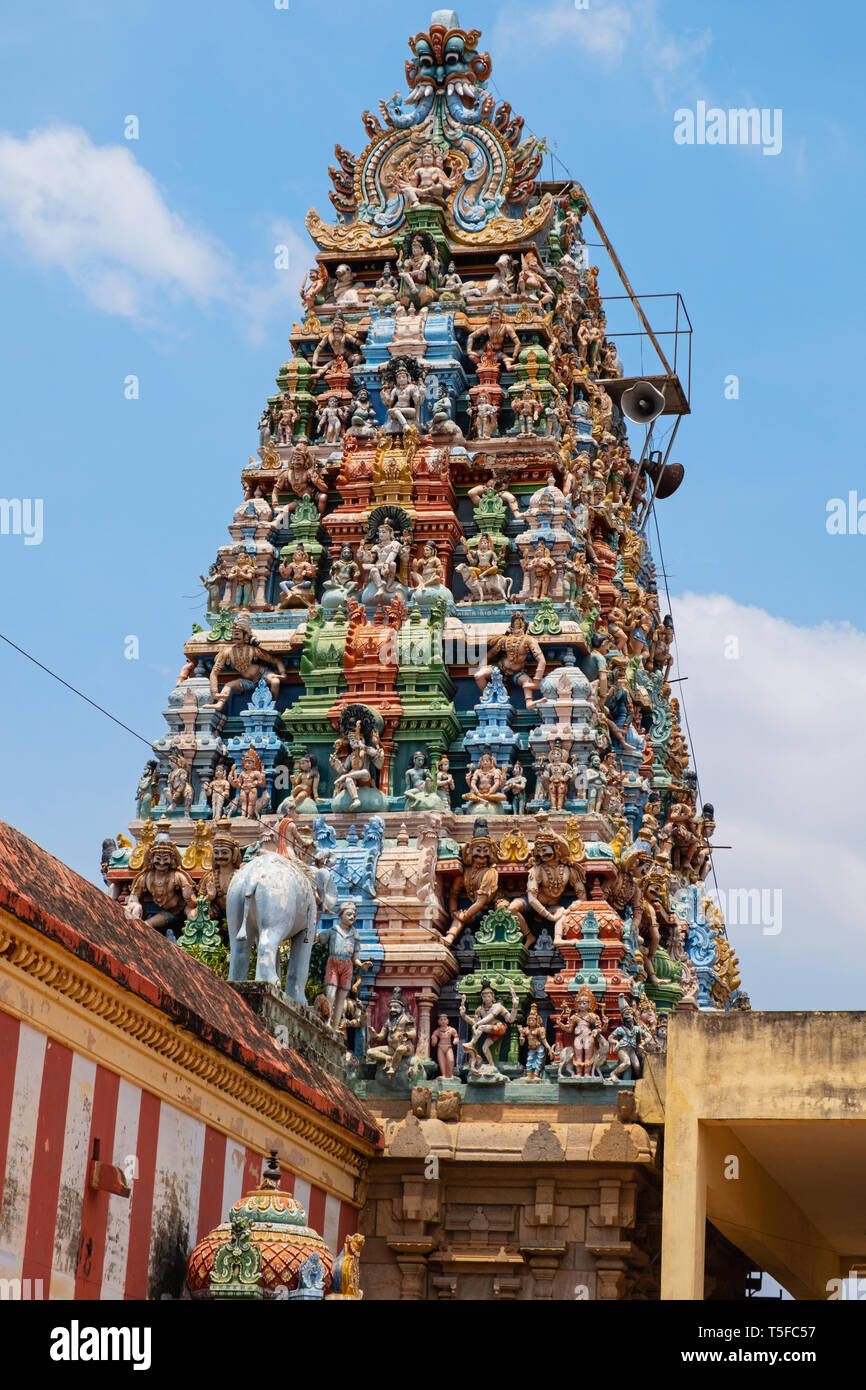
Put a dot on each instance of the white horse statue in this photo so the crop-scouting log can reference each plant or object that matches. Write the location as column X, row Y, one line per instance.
column 271, row 899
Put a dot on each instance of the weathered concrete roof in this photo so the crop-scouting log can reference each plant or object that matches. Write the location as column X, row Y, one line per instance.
column 50, row 897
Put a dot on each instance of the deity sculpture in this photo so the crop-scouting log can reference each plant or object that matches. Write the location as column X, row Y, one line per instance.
column 516, row 786
column 355, row 763
column 478, row 880
column 585, row 1027
column 425, row 180
column 363, row 423
column 513, row 652
column 298, row 572
column 552, row 874
column 339, row 342
column 540, row 565
column 626, row 1041
column 330, row 420
column 249, row 781
column 532, row 281
column 420, row 792
column 226, row 856
column 218, row 791
column 444, row 1039
column 489, row 1024
column 442, row 420
column 534, row 1035
column 444, row 781
column 496, row 333
column 348, row 293
column 395, row 1040
column 245, row 654
column 343, row 581
column 485, row 781
column 497, row 484
column 428, row 572
column 147, row 794
column 313, row 285
column 527, row 409
column 178, row 787
column 305, row 478
column 242, row 576
column 163, row 894
column 403, row 395
column 344, row 950
column 485, row 417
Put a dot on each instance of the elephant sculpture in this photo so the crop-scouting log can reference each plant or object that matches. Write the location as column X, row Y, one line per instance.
column 271, row 899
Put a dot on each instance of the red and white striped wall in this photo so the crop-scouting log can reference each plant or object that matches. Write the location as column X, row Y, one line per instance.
column 86, row 1244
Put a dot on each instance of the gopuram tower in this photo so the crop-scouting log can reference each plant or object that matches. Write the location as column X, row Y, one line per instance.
column 435, row 662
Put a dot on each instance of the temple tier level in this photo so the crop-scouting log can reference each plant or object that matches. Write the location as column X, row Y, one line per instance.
column 424, row 753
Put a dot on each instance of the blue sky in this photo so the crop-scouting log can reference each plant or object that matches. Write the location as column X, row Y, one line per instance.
column 154, row 257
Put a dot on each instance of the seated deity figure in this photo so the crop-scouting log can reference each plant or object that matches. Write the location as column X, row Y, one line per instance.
column 356, row 764
column 420, row 792
column 163, row 894
column 342, row 582
column 442, row 421
column 489, row 1023
column 404, row 398
column 496, row 482
column 305, row 478
column 425, row 181
column 298, row 572
column 395, row 1041
column 178, row 787
column 363, row 423
column 428, row 572
column 450, row 287
column 418, row 274
column 485, row 781
column 245, row 654
column 532, row 281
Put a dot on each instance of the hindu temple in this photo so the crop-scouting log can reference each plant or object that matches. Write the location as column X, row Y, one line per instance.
column 422, row 818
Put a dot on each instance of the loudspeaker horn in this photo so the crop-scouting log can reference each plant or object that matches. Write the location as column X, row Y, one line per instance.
column 642, row 403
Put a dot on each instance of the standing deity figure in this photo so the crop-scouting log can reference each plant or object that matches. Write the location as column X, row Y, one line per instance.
column 478, row 881
column 265, row 427
column 444, row 781
column 551, row 875
column 516, row 786
column 485, row 417
column 490, row 1022
column 178, row 787
column 330, row 420
column 587, row 1034
column 249, row 782
column 147, row 793
column 218, row 791
column 245, row 655
column 596, row 784
column 344, row 948
column 512, row 652
column 227, row 856
column 355, row 763
column 527, row 409
column 287, row 419
column 163, row 894
column 242, row 575
column 534, row 1035
column 540, row 566
column 213, row 583
column 444, row 1039
column 395, row 1040
column 626, row 1041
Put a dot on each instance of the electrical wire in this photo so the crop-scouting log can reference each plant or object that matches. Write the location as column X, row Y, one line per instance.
column 75, row 691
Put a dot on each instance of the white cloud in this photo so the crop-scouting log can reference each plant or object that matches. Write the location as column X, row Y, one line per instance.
column 779, row 743
column 609, row 32
column 97, row 215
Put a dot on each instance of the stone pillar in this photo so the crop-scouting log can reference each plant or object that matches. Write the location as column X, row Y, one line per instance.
column 413, row 1278
column 425, row 999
